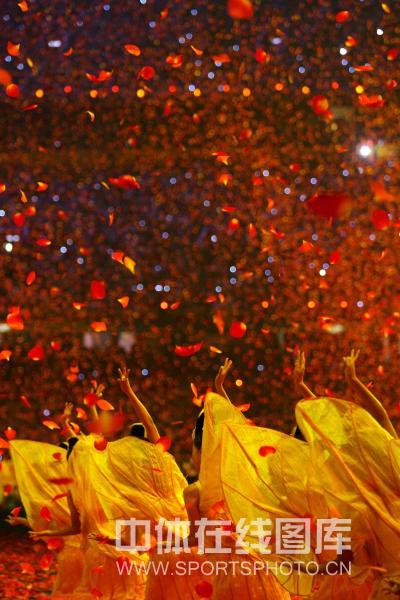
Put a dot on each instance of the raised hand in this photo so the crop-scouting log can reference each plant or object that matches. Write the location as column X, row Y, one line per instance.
column 13, row 521
column 221, row 375
column 299, row 368
column 98, row 389
column 350, row 365
column 123, row 379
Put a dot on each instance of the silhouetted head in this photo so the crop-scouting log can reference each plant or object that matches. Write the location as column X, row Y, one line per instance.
column 138, row 430
column 71, row 444
column 198, row 431
column 197, row 437
column 296, row 433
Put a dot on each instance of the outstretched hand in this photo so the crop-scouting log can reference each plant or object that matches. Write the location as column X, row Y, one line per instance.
column 67, row 413
column 13, row 521
column 123, row 379
column 36, row 535
column 299, row 368
column 222, row 373
column 350, row 365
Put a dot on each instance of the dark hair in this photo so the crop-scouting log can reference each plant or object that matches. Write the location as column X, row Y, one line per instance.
column 298, row 434
column 138, row 430
column 71, row 444
column 198, row 431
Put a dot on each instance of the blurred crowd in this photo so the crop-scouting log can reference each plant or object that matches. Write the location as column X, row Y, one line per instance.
column 260, row 211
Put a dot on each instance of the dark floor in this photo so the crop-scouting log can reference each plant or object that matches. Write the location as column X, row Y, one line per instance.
column 25, row 573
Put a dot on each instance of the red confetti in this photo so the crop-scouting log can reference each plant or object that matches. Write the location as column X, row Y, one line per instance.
column 204, row 589
column 342, row 16
column 188, row 350
column 380, row 219
column 238, row 329
column 240, row 9
column 36, row 353
column 266, row 450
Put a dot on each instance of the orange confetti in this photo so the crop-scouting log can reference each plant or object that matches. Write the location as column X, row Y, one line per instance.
column 130, row 264
column 102, row 76
column 13, row 49
column 104, row 405
column 197, row 51
column 14, row 319
column 124, row 301
column 41, row 186
column 98, row 326
column 221, row 58
column 5, row 355
column 23, row 6
column 50, row 424
column 125, row 182
column 133, row 49
column 175, row 60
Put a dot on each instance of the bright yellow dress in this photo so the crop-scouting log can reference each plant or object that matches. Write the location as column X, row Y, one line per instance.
column 274, row 477
column 35, row 466
column 95, row 496
column 359, row 463
column 220, row 413
column 130, row 479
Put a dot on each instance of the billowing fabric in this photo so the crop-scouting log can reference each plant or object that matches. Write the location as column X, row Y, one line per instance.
column 359, row 465
column 93, row 493
column 219, row 413
column 177, row 576
column 35, row 466
column 270, row 487
column 148, row 482
column 268, row 475
column 131, row 478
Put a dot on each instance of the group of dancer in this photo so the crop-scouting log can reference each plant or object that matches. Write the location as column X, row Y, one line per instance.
column 341, row 464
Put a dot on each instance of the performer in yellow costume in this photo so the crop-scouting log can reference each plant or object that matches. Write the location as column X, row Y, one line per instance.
column 41, row 472
column 131, row 478
column 359, row 462
column 272, row 476
column 161, row 487
column 206, row 500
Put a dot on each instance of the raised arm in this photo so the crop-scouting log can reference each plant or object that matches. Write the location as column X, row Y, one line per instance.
column 299, row 370
column 66, row 418
column 73, row 529
column 367, row 398
column 141, row 411
column 14, row 521
column 221, row 376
